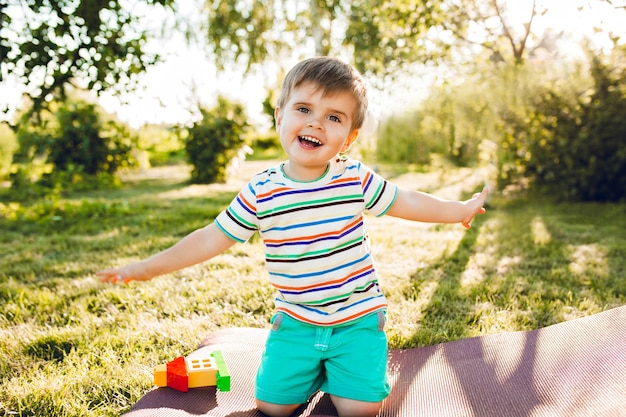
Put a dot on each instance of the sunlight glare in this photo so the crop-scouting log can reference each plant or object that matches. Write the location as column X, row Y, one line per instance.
column 576, row 17
column 539, row 231
column 589, row 259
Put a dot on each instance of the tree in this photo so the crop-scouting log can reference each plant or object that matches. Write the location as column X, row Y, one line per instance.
column 50, row 44
column 487, row 23
column 377, row 35
column 384, row 36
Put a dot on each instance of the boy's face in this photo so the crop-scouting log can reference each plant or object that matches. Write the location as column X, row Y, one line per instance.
column 314, row 128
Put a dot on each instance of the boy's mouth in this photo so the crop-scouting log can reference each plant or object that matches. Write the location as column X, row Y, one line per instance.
column 309, row 141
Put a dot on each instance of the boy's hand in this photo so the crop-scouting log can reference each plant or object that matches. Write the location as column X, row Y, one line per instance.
column 475, row 206
column 122, row 275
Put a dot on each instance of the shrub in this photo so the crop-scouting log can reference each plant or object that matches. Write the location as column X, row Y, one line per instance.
column 73, row 145
column 216, row 140
column 576, row 147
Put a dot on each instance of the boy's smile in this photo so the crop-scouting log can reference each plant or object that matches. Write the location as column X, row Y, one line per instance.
column 309, row 141
column 314, row 128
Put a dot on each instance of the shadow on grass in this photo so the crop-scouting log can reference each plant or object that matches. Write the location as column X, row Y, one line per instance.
column 446, row 314
column 471, row 366
column 537, row 265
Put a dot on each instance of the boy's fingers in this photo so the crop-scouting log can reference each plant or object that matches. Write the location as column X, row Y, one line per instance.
column 484, row 193
column 110, row 277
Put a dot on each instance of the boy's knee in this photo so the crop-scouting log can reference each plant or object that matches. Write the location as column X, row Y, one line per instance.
column 353, row 408
column 276, row 410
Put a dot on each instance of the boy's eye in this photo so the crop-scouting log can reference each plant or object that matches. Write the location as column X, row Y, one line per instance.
column 303, row 110
column 334, row 118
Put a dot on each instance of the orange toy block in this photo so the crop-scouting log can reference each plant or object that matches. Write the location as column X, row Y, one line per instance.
column 160, row 375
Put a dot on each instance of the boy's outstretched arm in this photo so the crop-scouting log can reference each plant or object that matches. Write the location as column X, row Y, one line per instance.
column 419, row 206
column 198, row 246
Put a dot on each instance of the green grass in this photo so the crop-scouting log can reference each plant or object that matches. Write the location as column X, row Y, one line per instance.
column 71, row 346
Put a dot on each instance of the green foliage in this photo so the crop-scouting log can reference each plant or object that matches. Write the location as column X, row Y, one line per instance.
column 47, row 44
column 386, row 35
column 576, row 144
column 8, row 145
column 559, row 131
column 269, row 106
column 472, row 23
column 162, row 144
column 450, row 123
column 379, row 36
column 85, row 141
column 76, row 145
column 215, row 141
column 400, row 140
column 266, row 146
column 242, row 32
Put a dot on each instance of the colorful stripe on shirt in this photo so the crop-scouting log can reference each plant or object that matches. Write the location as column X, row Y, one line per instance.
column 316, row 243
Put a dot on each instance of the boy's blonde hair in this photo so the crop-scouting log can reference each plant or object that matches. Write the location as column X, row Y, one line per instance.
column 331, row 75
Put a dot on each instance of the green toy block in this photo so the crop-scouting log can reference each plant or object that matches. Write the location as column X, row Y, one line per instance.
column 223, row 376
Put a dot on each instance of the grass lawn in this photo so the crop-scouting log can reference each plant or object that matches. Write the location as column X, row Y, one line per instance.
column 71, row 346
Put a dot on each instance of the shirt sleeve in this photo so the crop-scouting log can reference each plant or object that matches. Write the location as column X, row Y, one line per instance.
column 239, row 220
column 379, row 194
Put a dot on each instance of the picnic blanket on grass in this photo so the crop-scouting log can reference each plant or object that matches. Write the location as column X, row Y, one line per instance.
column 576, row 368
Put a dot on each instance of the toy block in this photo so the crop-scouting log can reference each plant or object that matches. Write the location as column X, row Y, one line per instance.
column 223, row 376
column 202, row 372
column 184, row 373
column 177, row 374
column 160, row 375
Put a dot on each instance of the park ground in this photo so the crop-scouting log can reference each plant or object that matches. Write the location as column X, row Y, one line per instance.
column 72, row 346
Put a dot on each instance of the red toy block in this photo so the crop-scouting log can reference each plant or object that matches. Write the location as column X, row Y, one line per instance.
column 177, row 374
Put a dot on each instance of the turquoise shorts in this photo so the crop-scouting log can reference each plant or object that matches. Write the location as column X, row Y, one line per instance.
column 348, row 361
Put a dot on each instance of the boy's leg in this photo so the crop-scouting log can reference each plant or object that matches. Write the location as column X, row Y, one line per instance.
column 291, row 369
column 356, row 367
column 345, row 408
column 353, row 408
column 276, row 410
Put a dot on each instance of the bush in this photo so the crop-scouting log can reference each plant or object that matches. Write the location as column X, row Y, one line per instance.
column 85, row 141
column 73, row 145
column 215, row 141
column 576, row 147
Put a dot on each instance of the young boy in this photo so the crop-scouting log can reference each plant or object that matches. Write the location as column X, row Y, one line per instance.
column 327, row 333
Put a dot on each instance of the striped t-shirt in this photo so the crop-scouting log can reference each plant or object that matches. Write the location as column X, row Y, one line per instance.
column 316, row 245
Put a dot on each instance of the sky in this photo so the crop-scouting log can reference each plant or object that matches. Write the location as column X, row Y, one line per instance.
column 168, row 90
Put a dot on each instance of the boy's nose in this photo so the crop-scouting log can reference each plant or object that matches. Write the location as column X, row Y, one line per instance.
column 314, row 123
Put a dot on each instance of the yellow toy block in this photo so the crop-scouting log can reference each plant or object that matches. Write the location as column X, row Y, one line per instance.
column 202, row 372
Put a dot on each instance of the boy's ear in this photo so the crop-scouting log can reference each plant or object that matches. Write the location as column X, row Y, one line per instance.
column 277, row 116
column 351, row 139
